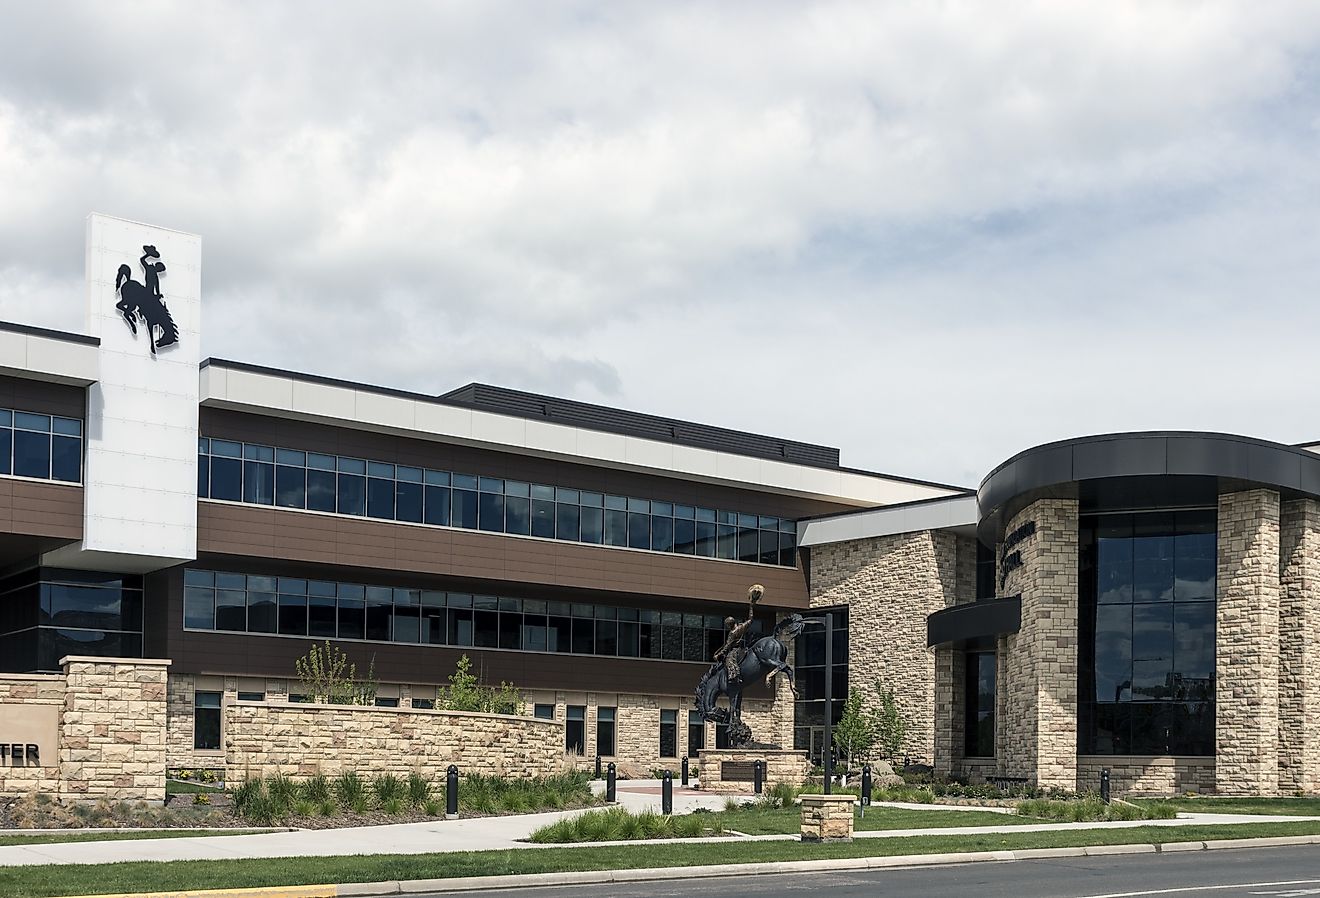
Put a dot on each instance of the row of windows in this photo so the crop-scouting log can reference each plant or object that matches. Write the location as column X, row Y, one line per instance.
column 575, row 730
column 45, row 447
column 323, row 609
column 289, row 478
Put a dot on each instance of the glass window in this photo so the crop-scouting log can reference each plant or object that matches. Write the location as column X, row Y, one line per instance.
column 351, row 494
column 258, row 482
column 1147, row 633
column 407, row 623
column 543, row 711
column 463, row 511
column 321, row 490
column 352, row 617
column 293, row 615
column 605, row 732
column 592, row 523
column 206, row 721
column 517, row 515
column 66, row 458
column 199, row 608
column 668, row 733
column 979, row 705
column 639, row 530
column 560, row 634
column 261, row 611
column 567, row 522
column 436, row 505
column 490, row 512
column 380, row 611
column 685, row 536
column 662, row 534
column 696, row 734
column 321, row 616
column 408, row 501
column 575, row 729
column 290, row 486
column 380, row 497
column 543, row 518
column 231, row 610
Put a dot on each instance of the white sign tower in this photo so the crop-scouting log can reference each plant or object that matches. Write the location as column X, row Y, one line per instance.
column 140, row 471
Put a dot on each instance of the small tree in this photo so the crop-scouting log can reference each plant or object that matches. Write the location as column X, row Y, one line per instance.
column 328, row 677
column 465, row 693
column 854, row 734
column 887, row 720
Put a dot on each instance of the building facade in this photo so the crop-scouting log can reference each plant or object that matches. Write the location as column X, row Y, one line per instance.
column 1144, row 603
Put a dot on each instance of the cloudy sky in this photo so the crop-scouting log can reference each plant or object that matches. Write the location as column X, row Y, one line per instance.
column 931, row 234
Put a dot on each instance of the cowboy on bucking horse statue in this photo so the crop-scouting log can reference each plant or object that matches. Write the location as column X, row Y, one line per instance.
column 737, row 663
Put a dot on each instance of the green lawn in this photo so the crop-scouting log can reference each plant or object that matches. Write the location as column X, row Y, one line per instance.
column 1302, row 807
column 76, row 836
column 759, row 822
column 39, row 882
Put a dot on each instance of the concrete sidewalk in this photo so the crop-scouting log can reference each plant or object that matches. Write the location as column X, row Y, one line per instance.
column 491, row 833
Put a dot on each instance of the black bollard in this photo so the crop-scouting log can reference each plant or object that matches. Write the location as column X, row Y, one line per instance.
column 451, row 791
column 758, row 776
column 685, row 770
column 667, row 794
column 1104, row 785
column 866, row 785
column 610, row 775
column 597, row 766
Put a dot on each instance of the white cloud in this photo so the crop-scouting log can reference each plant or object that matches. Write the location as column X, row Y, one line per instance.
column 931, row 234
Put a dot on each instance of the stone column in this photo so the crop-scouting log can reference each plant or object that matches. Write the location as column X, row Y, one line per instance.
column 1038, row 679
column 1247, row 645
column 113, row 742
column 1299, row 646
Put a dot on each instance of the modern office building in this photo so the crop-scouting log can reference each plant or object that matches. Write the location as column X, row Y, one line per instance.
column 1146, row 603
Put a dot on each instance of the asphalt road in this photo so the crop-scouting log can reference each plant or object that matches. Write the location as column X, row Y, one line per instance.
column 1278, row 872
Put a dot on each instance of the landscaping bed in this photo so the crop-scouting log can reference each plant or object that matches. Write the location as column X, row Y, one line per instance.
column 44, row 812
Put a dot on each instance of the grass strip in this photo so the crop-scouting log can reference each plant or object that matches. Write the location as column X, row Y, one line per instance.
column 758, row 822
column 103, row 836
column 180, row 787
column 1305, row 807
column 72, row 879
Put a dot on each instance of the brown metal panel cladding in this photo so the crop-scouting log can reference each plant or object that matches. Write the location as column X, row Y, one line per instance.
column 42, row 397
column 241, row 530
column 291, row 434
column 41, row 509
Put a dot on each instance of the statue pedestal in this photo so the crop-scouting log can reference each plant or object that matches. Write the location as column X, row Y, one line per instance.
column 729, row 770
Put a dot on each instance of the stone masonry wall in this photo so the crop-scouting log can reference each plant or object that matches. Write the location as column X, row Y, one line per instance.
column 1137, row 776
column 890, row 584
column 1299, row 646
column 1247, row 649
column 32, row 689
column 1036, row 728
column 112, row 739
column 304, row 739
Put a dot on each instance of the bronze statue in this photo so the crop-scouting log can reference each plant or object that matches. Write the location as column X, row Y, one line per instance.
column 737, row 663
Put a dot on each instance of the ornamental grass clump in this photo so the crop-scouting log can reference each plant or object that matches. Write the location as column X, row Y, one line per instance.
column 419, row 789
column 618, row 825
column 315, row 789
column 350, row 790
column 388, row 789
column 1090, row 809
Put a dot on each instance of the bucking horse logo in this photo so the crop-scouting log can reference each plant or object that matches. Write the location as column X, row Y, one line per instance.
column 144, row 302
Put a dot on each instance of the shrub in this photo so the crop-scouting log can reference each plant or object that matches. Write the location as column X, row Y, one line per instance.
column 327, row 677
column 433, row 808
column 201, row 798
column 466, row 693
column 327, row 808
column 304, row 808
column 392, row 806
column 350, row 790
column 1089, row 809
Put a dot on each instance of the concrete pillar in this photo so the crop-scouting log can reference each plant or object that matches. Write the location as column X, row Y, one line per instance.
column 1039, row 677
column 1299, row 646
column 1247, row 645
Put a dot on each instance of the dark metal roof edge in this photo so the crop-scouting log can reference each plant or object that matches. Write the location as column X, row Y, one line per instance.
column 974, row 620
column 16, row 328
column 1142, row 435
column 634, row 423
column 963, row 493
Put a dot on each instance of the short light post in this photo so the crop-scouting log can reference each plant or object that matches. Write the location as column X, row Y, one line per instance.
column 758, row 776
column 667, row 794
column 611, row 773
column 685, row 770
column 597, row 766
column 866, row 787
column 451, row 792
column 1104, row 785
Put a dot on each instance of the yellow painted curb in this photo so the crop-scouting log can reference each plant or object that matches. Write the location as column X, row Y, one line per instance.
column 326, row 891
